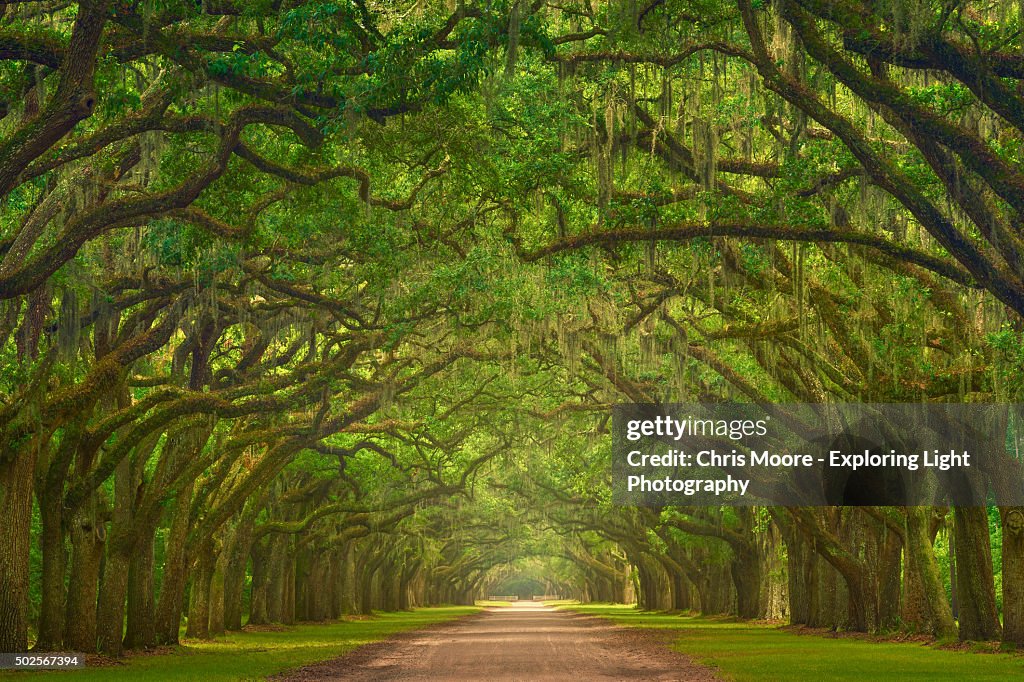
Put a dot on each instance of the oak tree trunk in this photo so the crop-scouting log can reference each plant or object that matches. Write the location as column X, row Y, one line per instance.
column 172, row 589
column 140, row 632
column 975, row 586
column 16, row 470
column 1013, row 574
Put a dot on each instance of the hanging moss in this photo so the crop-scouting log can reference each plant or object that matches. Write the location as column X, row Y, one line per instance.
column 69, row 325
column 512, row 48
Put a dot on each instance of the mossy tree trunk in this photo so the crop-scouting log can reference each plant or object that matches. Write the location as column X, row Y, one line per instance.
column 172, row 588
column 16, row 469
column 120, row 547
column 140, row 630
column 260, row 584
column 201, row 572
column 52, row 543
column 922, row 565
column 88, row 538
column 975, row 587
column 1013, row 574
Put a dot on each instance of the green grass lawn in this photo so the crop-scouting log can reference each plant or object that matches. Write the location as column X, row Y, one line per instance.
column 253, row 655
column 744, row 651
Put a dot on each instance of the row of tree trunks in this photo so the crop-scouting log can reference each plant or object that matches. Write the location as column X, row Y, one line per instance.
column 890, row 576
column 319, row 580
column 868, row 570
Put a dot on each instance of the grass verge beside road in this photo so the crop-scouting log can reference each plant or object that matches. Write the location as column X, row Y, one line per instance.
column 252, row 655
column 752, row 652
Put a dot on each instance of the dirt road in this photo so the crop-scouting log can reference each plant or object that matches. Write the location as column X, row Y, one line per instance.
column 527, row 641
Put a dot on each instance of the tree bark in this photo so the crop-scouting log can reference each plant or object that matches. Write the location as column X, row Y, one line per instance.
column 51, row 540
column 1013, row 574
column 276, row 580
column 975, row 586
column 258, row 598
column 199, row 594
column 366, row 587
column 234, row 578
column 218, row 584
column 745, row 570
column 172, row 591
column 348, row 576
column 88, row 537
column 889, row 574
column 798, row 572
column 114, row 587
column 288, row 597
column 921, row 562
column 16, row 471
column 140, row 632
column 113, row 593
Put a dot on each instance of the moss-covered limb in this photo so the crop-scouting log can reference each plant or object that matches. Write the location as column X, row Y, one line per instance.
column 73, row 100
column 710, row 358
column 676, row 153
column 752, row 230
column 757, row 332
column 233, row 230
column 41, row 49
column 130, row 210
column 343, row 312
column 582, row 553
column 927, row 131
column 273, row 461
column 736, row 539
column 892, row 517
column 664, row 60
column 832, row 369
column 106, row 425
column 845, row 371
column 976, row 200
column 353, row 515
column 109, row 369
column 315, row 176
column 941, row 47
column 695, row 573
column 350, row 519
column 153, row 106
column 883, row 172
column 31, row 393
column 201, row 404
column 1003, row 179
column 163, row 408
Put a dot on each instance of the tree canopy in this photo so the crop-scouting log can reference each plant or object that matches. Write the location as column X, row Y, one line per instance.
column 315, row 307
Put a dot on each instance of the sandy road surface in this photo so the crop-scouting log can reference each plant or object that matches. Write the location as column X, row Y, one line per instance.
column 527, row 641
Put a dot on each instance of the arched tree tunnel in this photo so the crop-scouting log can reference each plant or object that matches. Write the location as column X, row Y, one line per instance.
column 313, row 309
column 526, row 580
